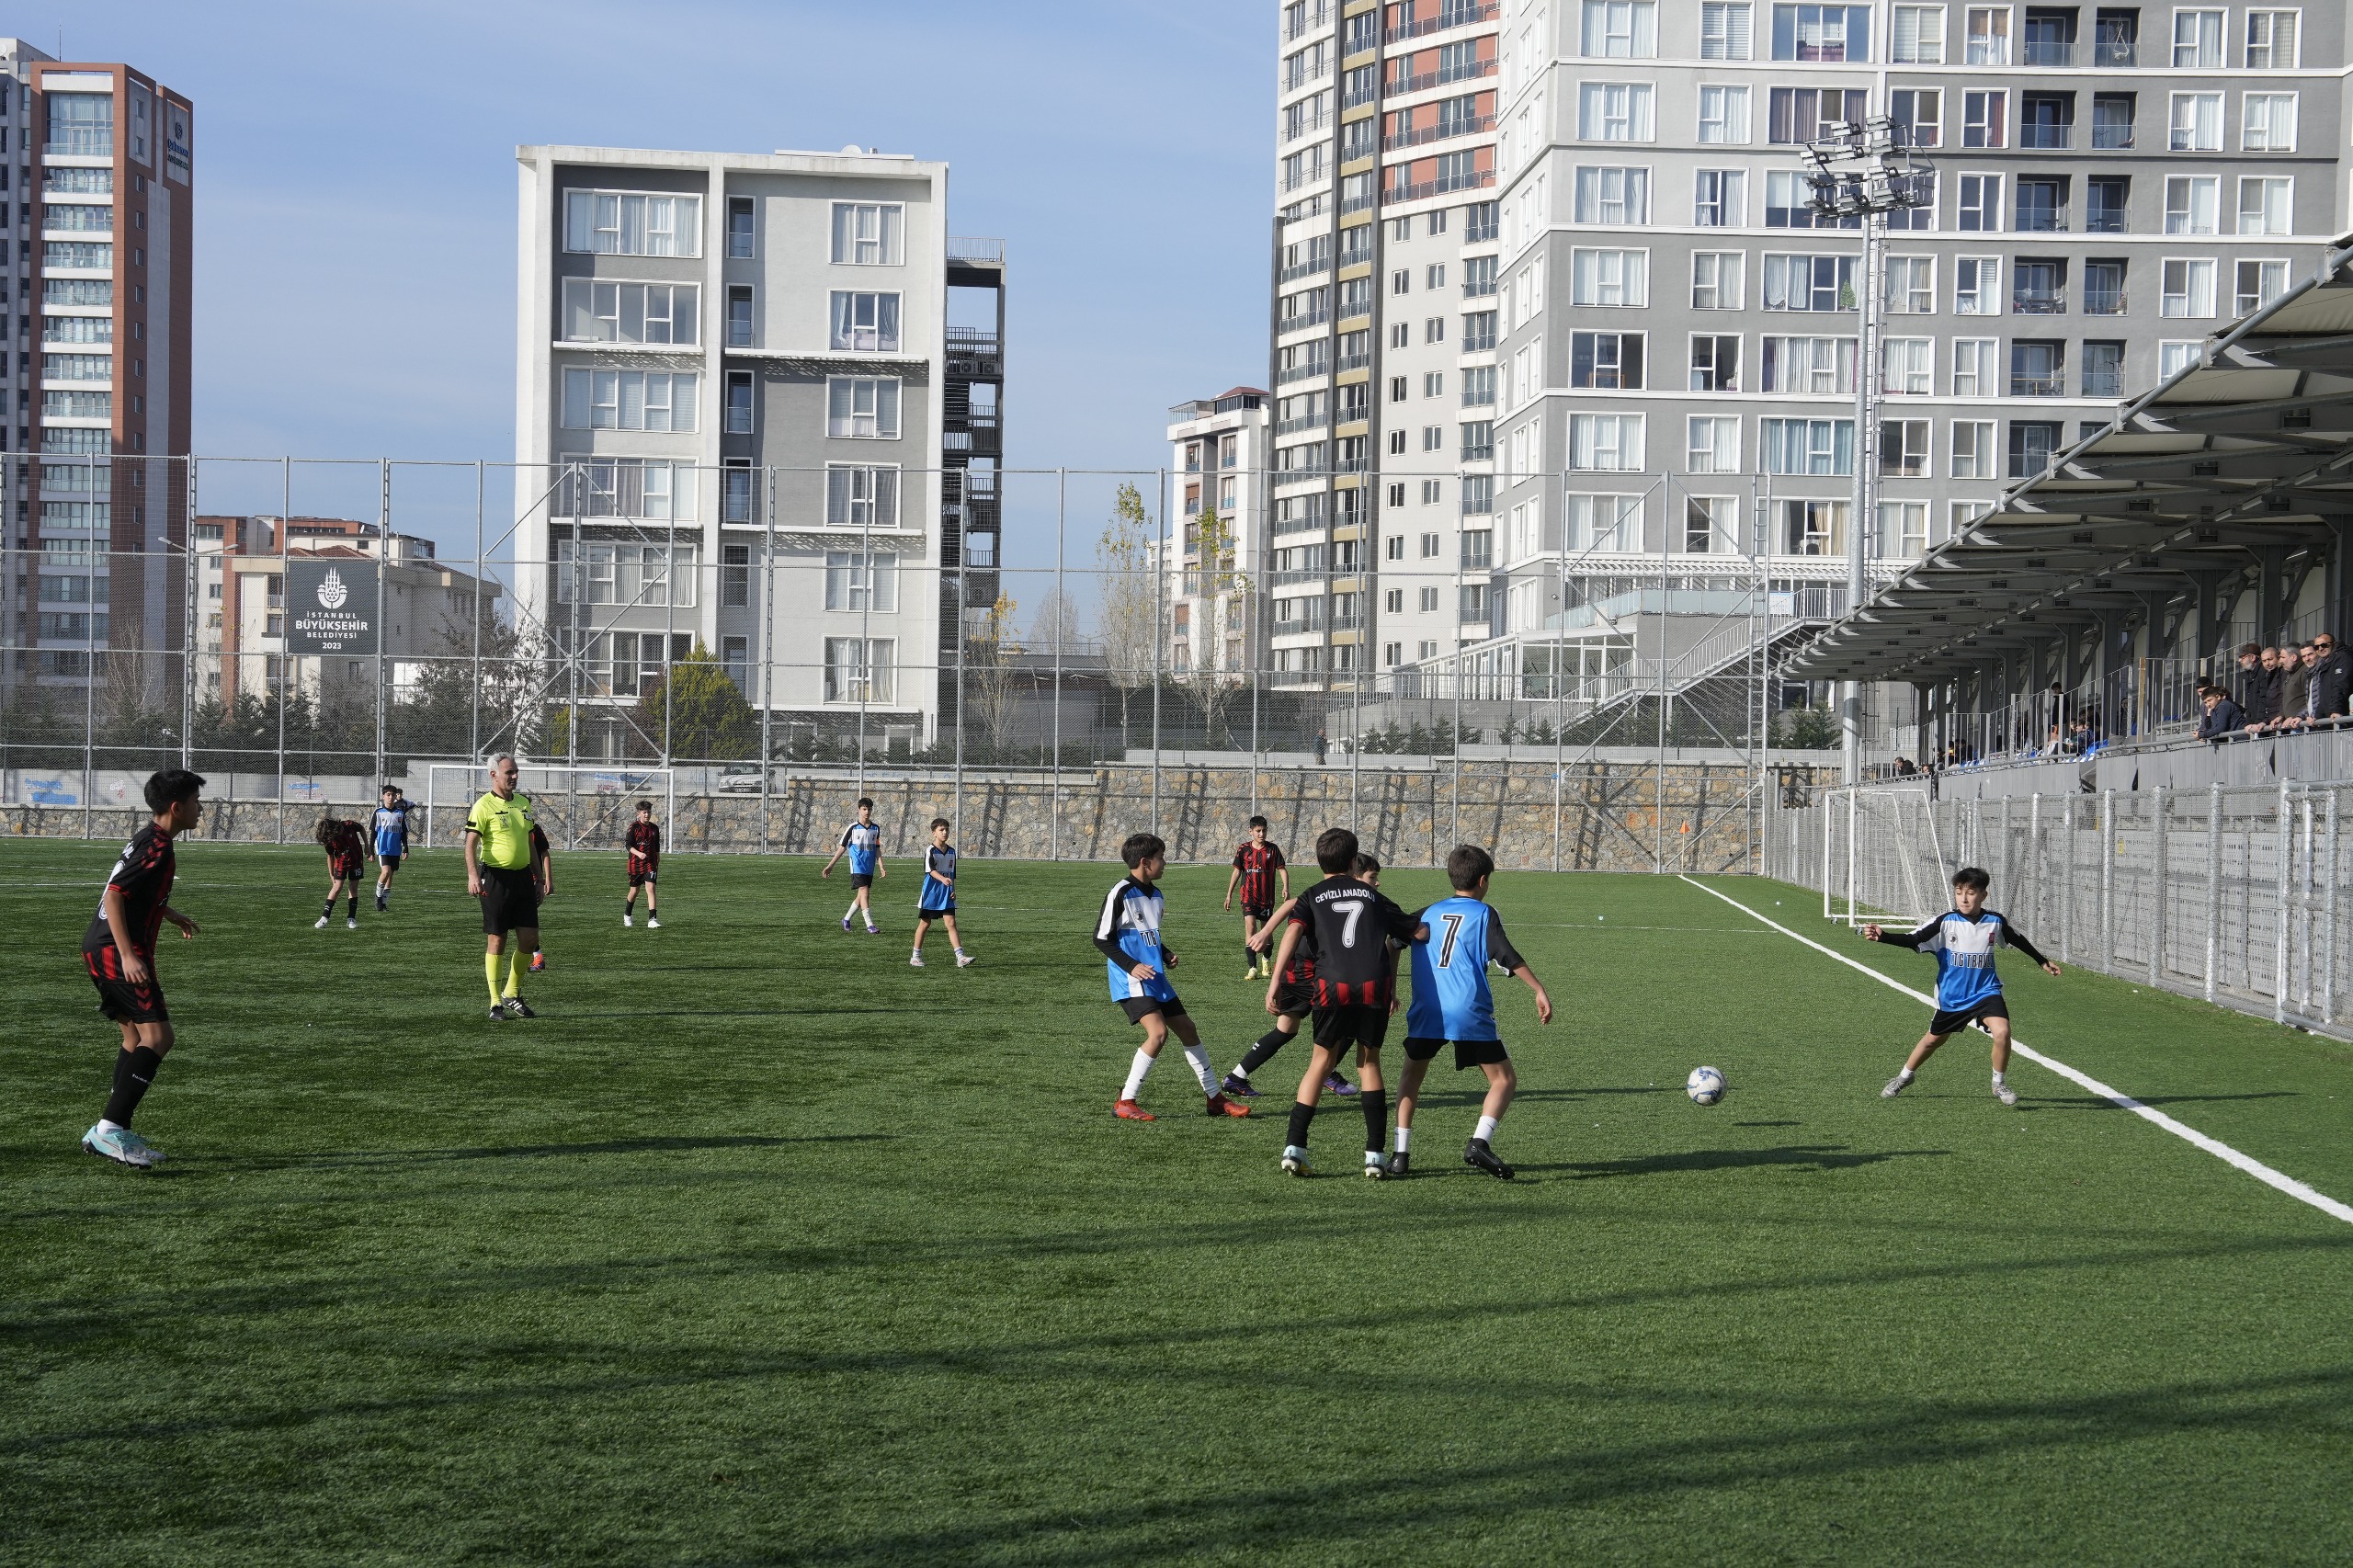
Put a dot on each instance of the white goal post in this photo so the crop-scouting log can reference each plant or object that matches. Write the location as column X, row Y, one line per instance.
column 1881, row 850
column 577, row 808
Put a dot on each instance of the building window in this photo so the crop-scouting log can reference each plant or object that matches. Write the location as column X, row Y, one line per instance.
column 739, row 402
column 1986, row 36
column 1984, row 120
column 2106, row 199
column 1620, row 30
column 865, row 322
column 2038, row 287
column 1919, row 114
column 613, row 222
column 1911, row 285
column 2271, row 40
column 1717, row 279
column 1814, row 527
column 859, row 670
column 2104, row 287
column 1806, row 114
column 2266, row 205
column 1807, row 446
column 2111, row 121
column 2034, row 443
column 1478, row 388
column 1979, row 209
column 626, row 487
column 1617, row 196
column 2041, row 205
column 2197, row 40
column 1907, row 366
column 1972, row 448
column 1809, row 282
column 739, row 227
column 1919, row 36
column 1712, row 445
column 869, row 234
column 1903, row 528
column 1807, row 366
column 2038, row 367
column 1904, row 447
column 1616, row 112
column 1715, row 362
column 1976, row 285
column 2268, row 122
column 1611, row 277
column 2047, row 120
column 1605, row 523
column 1606, row 360
column 735, row 575
column 2196, row 122
column 2259, row 283
column 1831, row 34
column 2103, row 371
column 2177, row 356
column 1723, row 116
column 1607, row 441
column 628, row 312
column 2186, row 288
column 1973, row 366
column 862, row 407
column 736, row 493
column 858, row 581
column 739, row 316
column 629, row 399
column 1724, row 29
column 1719, row 199
column 862, row 496
column 735, row 658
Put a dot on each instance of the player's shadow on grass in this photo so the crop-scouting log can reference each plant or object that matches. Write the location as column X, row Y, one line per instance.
column 1809, row 1156
column 549, row 1151
column 2094, row 1102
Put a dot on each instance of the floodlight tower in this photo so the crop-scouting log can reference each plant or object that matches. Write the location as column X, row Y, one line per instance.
column 1864, row 170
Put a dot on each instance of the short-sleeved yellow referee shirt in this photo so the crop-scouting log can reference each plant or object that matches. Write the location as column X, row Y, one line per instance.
column 505, row 830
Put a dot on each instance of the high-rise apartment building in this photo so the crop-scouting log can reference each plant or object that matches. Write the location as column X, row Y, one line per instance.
column 1549, row 267
column 1386, row 241
column 745, row 362
column 101, row 159
column 1218, row 454
column 1677, row 329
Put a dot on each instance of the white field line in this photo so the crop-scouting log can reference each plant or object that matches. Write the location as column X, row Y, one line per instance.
column 2219, row 1150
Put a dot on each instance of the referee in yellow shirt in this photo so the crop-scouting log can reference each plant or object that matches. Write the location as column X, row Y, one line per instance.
column 502, row 872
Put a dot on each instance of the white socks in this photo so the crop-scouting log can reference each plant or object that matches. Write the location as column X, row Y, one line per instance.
column 1136, row 1069
column 1905, row 1077
column 105, row 1126
column 1998, row 1080
column 1198, row 1055
column 1405, row 1135
column 1486, row 1129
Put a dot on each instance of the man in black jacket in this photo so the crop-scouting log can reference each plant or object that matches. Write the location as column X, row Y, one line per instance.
column 2222, row 717
column 2258, row 669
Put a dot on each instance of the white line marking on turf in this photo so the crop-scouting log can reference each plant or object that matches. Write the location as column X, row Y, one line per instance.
column 2219, row 1150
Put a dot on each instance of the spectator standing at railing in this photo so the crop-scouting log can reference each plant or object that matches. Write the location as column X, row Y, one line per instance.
column 2222, row 717
column 2325, row 691
column 2258, row 671
column 2337, row 658
column 2295, row 686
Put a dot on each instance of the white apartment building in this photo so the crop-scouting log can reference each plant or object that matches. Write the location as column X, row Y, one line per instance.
column 1218, row 452
column 752, row 428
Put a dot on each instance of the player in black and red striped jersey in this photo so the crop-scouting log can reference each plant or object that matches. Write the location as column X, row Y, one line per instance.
column 1348, row 924
column 347, row 847
column 118, row 950
column 644, row 843
column 1258, row 867
column 1290, row 994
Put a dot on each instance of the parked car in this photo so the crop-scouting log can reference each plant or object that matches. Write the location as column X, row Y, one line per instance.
column 741, row 779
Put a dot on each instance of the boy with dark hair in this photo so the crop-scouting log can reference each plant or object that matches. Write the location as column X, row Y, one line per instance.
column 1348, row 925
column 863, row 842
column 937, row 900
column 1258, row 866
column 118, row 950
column 1290, row 996
column 347, row 848
column 1128, row 935
column 388, row 826
column 644, row 843
column 1968, row 991
column 1453, row 1006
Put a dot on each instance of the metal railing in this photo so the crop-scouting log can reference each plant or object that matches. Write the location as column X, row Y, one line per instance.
column 79, row 142
column 1400, row 86
column 1445, row 129
column 1449, row 16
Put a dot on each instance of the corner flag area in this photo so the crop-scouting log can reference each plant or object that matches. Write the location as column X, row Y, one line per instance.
column 759, row 1244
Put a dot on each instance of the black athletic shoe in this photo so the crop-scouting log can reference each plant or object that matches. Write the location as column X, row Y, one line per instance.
column 519, row 1008
column 1401, row 1165
column 1477, row 1154
column 497, row 1013
column 381, row 908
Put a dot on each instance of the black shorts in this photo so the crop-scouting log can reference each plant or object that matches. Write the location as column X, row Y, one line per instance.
column 341, row 866
column 1467, row 1052
column 1138, row 1008
column 1352, row 1023
column 641, row 879
column 391, row 862
column 928, row 912
column 1295, row 1001
column 1259, row 912
column 510, row 901
column 1953, row 1023
column 121, row 1001
column 861, row 878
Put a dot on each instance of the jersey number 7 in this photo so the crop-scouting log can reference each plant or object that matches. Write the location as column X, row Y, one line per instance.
column 1453, row 924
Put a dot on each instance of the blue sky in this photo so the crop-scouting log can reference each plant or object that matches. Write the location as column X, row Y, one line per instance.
column 355, row 272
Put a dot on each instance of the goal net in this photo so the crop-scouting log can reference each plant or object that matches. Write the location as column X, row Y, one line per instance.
column 575, row 807
column 1882, row 860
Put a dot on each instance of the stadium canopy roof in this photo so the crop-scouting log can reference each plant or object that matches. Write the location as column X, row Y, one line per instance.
column 2245, row 454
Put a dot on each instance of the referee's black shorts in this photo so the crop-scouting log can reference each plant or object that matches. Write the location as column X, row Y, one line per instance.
column 510, row 901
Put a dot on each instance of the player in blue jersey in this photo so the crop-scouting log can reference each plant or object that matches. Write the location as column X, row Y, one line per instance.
column 1968, row 991
column 863, row 842
column 1451, row 1005
column 1128, row 935
column 389, row 826
column 937, row 900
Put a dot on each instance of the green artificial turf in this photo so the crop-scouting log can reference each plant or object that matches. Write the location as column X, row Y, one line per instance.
column 760, row 1247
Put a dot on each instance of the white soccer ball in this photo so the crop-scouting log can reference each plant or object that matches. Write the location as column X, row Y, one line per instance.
column 1706, row 1086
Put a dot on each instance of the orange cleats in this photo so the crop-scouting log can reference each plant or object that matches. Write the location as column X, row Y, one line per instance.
column 1221, row 1106
column 1127, row 1110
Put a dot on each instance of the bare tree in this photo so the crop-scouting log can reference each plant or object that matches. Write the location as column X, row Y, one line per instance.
column 1128, row 556
column 1211, row 679
column 1056, row 624
column 989, row 688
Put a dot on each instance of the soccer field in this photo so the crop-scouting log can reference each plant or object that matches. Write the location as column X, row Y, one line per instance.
column 759, row 1245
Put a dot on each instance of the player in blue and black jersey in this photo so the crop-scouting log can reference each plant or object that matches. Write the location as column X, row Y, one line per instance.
column 1127, row 934
column 1453, row 1006
column 937, row 900
column 388, row 825
column 1258, row 871
column 1968, row 991
column 863, row 842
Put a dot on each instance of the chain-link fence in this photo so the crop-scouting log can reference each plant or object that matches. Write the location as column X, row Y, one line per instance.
column 2228, row 895
column 1592, row 685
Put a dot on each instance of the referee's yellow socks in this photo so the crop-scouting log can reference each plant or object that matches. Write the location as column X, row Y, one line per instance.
column 490, row 969
column 519, row 961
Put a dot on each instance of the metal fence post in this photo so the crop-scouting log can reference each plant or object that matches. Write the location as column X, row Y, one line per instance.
column 2279, row 925
column 2158, row 885
column 2067, row 880
column 2213, row 884
column 2328, row 920
column 2106, row 880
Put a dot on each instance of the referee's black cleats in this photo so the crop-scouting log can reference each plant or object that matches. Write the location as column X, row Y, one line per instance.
column 1476, row 1152
column 498, row 1013
column 519, row 1008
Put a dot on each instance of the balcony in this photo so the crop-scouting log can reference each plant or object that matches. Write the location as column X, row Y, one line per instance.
column 1306, row 269
column 2103, row 383
column 1400, row 86
column 1478, row 289
column 2037, row 386
column 1310, row 21
column 2043, row 220
column 1301, row 323
column 2103, row 302
column 2039, row 302
column 1445, row 129
column 1354, row 361
column 1307, row 125
column 1475, row 451
column 1477, row 342
column 987, row 252
column 1303, row 372
column 1355, row 204
column 1308, row 525
column 2054, row 54
column 1351, row 309
column 2116, row 54
column 1292, row 579
column 1351, row 97
column 81, row 141
column 1447, row 16
column 1478, row 179
column 1293, row 426
column 2054, row 136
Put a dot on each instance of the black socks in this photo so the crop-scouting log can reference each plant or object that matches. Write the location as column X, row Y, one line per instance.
column 1376, row 1118
column 1259, row 1055
column 134, row 1070
column 1301, row 1115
